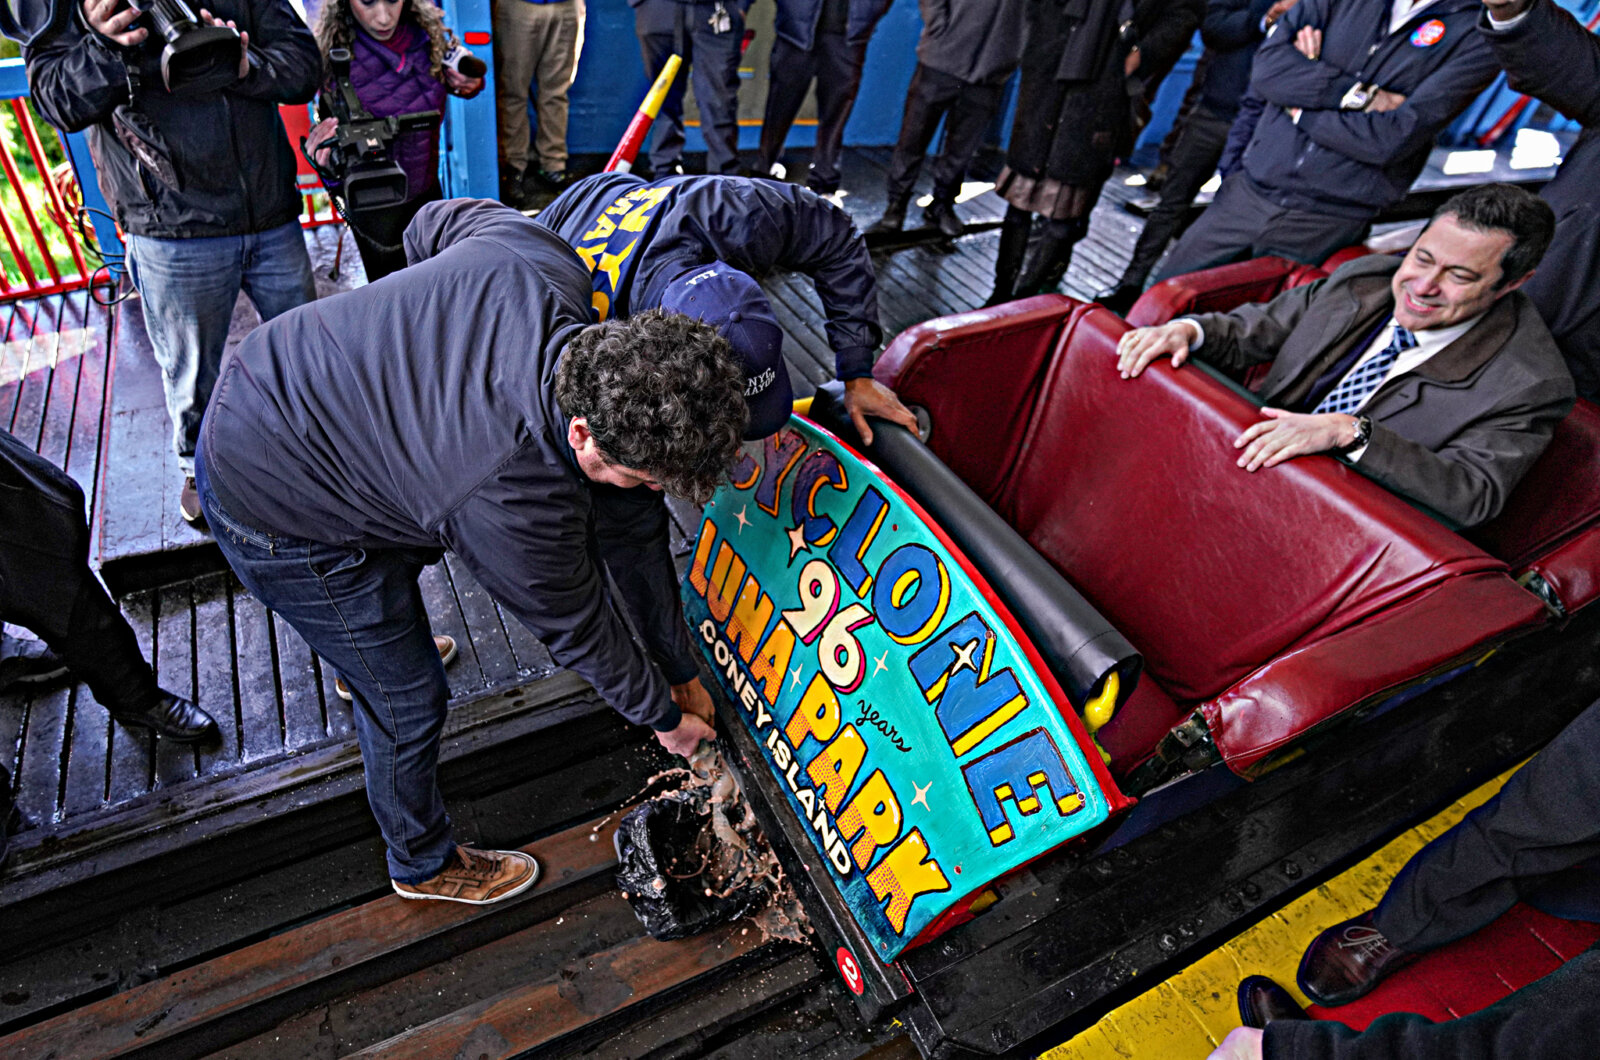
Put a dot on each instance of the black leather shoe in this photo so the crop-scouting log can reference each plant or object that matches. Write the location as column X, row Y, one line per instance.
column 189, row 504
column 1119, row 299
column 173, row 717
column 893, row 220
column 1261, row 1000
column 27, row 662
column 1347, row 960
column 941, row 214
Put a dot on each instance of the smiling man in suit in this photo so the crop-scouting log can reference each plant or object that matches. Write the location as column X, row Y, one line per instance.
column 1431, row 374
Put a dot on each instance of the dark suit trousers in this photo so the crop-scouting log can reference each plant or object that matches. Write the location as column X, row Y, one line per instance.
column 1242, row 223
column 664, row 27
column 836, row 67
column 1537, row 840
column 967, row 107
column 1192, row 162
column 47, row 587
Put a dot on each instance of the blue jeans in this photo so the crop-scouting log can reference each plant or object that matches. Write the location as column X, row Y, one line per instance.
column 189, row 287
column 361, row 610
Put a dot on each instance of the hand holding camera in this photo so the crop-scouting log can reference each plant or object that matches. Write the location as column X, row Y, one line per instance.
column 105, row 19
column 197, row 55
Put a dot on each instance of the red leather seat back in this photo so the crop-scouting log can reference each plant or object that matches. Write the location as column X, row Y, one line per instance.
column 1219, row 290
column 1558, row 498
column 976, row 373
column 1130, row 488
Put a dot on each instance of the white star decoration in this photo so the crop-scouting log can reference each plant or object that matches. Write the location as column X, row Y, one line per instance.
column 739, row 515
column 797, row 541
column 964, row 657
column 794, row 676
column 922, row 795
column 882, row 662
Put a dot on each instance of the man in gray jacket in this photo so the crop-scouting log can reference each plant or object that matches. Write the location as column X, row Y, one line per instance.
column 967, row 50
column 1432, row 375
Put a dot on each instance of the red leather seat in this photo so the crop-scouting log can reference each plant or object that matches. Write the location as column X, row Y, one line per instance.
column 1550, row 526
column 1268, row 602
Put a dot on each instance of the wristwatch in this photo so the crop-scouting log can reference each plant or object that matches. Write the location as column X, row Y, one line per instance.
column 1363, row 435
column 1357, row 97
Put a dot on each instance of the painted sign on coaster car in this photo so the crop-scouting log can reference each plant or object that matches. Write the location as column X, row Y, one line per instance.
column 917, row 738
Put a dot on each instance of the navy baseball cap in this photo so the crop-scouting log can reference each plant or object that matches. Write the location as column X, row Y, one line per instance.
column 733, row 303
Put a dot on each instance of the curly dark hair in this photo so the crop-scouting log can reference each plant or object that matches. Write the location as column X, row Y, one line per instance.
column 663, row 394
column 1519, row 213
column 336, row 28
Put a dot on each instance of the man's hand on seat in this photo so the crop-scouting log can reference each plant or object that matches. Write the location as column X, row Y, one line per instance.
column 1286, row 435
column 867, row 397
column 1139, row 347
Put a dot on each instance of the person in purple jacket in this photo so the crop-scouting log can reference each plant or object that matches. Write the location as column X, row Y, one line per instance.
column 399, row 50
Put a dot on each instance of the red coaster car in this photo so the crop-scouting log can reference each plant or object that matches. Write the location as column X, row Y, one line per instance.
column 1264, row 605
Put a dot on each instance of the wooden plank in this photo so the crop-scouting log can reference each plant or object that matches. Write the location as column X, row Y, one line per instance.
column 260, row 724
column 533, row 658
column 174, row 661
column 43, row 748
column 486, row 637
column 444, row 615
column 214, row 670
column 38, row 365
column 216, row 989
column 88, row 420
column 526, row 1017
column 298, row 686
column 133, row 749
column 87, row 762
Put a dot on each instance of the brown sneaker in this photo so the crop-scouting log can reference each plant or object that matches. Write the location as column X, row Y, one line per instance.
column 447, row 655
column 476, row 877
column 189, row 504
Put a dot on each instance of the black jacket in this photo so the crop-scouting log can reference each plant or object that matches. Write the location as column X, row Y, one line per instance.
column 1550, row 55
column 972, row 40
column 233, row 159
column 420, row 412
column 1230, row 31
column 755, row 226
column 1354, row 163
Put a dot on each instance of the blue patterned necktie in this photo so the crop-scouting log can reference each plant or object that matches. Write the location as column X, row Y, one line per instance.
column 1354, row 389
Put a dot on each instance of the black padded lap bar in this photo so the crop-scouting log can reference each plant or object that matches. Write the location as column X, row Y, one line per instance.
column 1077, row 643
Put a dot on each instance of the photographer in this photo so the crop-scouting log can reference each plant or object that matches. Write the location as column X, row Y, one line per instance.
column 202, row 181
column 400, row 63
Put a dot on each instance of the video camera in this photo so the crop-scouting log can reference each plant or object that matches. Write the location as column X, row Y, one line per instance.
column 363, row 160
column 194, row 58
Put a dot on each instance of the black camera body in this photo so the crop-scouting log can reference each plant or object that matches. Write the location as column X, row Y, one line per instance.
column 363, row 146
column 194, row 58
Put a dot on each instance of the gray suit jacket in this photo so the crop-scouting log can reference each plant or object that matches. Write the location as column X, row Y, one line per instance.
column 1456, row 434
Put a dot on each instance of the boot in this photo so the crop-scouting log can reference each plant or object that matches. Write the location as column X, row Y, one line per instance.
column 1008, row 259
column 1050, row 256
column 894, row 216
column 941, row 214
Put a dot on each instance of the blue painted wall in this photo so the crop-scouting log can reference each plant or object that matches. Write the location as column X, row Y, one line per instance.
column 611, row 82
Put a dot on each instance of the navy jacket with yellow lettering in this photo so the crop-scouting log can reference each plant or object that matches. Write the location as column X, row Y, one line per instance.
column 636, row 236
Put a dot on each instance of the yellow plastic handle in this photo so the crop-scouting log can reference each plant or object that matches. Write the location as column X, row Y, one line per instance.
column 1098, row 710
column 658, row 91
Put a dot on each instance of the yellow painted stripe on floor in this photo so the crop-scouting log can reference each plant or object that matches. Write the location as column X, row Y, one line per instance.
column 1184, row 1017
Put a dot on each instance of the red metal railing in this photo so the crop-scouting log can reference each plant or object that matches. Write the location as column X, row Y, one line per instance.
column 44, row 252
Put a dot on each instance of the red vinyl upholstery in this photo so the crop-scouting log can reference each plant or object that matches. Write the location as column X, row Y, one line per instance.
column 976, row 373
column 1271, row 601
column 1550, row 527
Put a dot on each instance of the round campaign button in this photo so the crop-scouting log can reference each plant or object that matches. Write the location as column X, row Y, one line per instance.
column 851, row 971
column 1428, row 34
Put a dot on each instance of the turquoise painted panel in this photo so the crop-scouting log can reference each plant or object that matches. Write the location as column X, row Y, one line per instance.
column 913, row 739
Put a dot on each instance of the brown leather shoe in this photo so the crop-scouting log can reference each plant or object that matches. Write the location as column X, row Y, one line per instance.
column 1261, row 1001
column 447, row 655
column 189, row 504
column 1347, row 960
column 476, row 877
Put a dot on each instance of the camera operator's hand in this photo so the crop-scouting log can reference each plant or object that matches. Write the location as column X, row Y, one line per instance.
column 317, row 140
column 106, row 20
column 244, row 40
column 458, row 84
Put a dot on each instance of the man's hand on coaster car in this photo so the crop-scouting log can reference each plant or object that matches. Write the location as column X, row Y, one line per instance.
column 867, row 397
column 687, row 736
column 1505, row 10
column 1141, row 346
column 692, row 698
column 1286, row 435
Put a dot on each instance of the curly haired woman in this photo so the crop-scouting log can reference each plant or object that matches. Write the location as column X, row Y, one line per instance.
column 399, row 51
